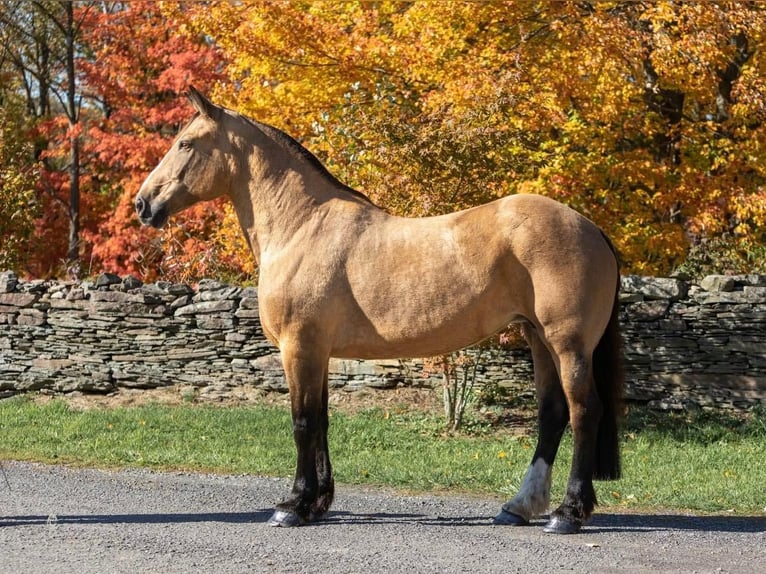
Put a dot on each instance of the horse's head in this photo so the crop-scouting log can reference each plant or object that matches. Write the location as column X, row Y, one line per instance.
column 196, row 167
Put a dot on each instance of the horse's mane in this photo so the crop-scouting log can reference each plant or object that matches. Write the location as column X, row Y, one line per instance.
column 293, row 147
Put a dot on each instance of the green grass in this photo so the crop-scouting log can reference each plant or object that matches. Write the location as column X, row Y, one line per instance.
column 699, row 462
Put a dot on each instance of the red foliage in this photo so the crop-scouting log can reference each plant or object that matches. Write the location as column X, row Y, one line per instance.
column 135, row 64
column 139, row 68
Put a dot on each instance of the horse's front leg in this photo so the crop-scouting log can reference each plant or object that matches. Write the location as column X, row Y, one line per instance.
column 313, row 488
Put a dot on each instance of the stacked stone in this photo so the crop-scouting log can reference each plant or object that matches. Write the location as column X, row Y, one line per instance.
column 686, row 345
column 511, row 369
column 95, row 337
column 692, row 345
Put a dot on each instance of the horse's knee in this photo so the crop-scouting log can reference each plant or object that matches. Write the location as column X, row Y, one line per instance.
column 305, row 427
column 576, row 372
column 553, row 412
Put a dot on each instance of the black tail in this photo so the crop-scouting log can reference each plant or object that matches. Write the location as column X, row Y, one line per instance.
column 610, row 380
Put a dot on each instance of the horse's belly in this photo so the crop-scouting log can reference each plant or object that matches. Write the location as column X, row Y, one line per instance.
column 425, row 324
column 429, row 346
column 428, row 288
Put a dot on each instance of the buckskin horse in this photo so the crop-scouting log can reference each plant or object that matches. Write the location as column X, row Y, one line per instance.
column 340, row 277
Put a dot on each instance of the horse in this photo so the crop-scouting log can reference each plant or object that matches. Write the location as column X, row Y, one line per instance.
column 341, row 277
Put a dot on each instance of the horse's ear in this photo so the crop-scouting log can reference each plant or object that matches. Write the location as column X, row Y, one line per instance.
column 202, row 104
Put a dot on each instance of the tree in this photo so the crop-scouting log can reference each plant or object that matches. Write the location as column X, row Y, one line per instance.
column 138, row 77
column 40, row 39
column 103, row 94
column 645, row 116
column 648, row 117
column 18, row 208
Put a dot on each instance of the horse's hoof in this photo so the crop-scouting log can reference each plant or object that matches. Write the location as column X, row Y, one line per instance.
column 558, row 525
column 285, row 518
column 506, row 518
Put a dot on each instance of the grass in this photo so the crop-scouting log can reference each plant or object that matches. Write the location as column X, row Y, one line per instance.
column 699, row 462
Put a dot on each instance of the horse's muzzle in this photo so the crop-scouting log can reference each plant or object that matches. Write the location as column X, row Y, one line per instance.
column 156, row 218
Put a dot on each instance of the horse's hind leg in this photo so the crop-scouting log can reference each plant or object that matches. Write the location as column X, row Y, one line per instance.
column 533, row 497
column 576, row 373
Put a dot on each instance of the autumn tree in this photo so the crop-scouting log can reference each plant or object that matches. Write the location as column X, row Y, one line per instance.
column 18, row 208
column 662, row 152
column 40, row 40
column 139, row 77
column 645, row 116
column 103, row 85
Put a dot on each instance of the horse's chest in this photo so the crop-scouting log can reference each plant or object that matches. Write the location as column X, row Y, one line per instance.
column 271, row 310
column 285, row 313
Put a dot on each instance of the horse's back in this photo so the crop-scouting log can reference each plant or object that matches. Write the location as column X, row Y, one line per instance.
column 544, row 237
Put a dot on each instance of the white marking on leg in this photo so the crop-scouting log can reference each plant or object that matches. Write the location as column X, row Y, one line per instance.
column 534, row 496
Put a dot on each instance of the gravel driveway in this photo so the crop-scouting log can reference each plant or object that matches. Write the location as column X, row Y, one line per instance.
column 62, row 520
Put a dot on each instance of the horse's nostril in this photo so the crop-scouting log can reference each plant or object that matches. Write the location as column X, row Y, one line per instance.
column 140, row 205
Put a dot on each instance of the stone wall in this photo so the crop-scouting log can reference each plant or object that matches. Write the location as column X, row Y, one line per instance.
column 689, row 344
column 685, row 344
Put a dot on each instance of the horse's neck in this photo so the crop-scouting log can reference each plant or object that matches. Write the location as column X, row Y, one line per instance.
column 273, row 202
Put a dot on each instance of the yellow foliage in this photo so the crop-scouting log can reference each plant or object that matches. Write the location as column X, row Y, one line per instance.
column 18, row 208
column 645, row 116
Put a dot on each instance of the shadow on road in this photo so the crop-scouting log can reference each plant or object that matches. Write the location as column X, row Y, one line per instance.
column 600, row 522
column 345, row 518
column 160, row 518
column 651, row 522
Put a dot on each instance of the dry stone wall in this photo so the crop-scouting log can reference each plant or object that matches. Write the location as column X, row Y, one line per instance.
column 686, row 344
column 695, row 344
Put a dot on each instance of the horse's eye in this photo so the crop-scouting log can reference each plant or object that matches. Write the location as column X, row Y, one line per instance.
column 185, row 144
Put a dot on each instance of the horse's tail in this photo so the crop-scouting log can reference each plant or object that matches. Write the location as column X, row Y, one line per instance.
column 610, row 379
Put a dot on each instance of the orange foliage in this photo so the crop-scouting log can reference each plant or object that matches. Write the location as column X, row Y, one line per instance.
column 645, row 116
column 144, row 111
column 648, row 117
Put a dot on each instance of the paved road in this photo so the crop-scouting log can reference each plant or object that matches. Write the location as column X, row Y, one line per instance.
column 62, row 520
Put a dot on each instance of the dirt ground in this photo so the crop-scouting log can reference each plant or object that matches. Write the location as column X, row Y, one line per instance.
column 515, row 420
column 425, row 399
column 85, row 521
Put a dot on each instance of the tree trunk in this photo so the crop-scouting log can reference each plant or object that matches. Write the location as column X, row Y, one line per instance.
column 669, row 105
column 729, row 75
column 73, row 251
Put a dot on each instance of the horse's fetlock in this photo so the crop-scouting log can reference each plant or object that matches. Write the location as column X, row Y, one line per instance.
column 320, row 506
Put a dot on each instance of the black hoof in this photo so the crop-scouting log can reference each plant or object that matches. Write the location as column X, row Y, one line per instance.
column 558, row 525
column 285, row 518
column 506, row 518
